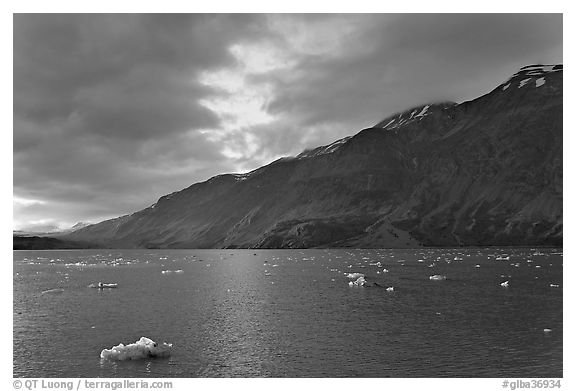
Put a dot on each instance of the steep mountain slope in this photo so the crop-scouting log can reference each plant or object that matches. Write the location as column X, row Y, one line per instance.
column 484, row 172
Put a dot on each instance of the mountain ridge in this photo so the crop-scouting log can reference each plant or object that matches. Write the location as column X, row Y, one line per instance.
column 482, row 172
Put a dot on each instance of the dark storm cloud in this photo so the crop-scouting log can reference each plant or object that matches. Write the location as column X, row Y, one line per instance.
column 106, row 112
column 415, row 59
column 122, row 74
column 113, row 111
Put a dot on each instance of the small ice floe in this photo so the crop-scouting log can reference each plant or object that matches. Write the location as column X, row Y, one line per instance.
column 390, row 289
column 359, row 282
column 420, row 260
column 172, row 271
column 102, row 285
column 477, row 265
column 52, row 291
column 554, row 286
column 547, row 330
column 379, row 264
column 432, row 265
column 458, row 258
column 354, row 276
column 503, row 258
column 437, row 277
column 538, row 266
column 143, row 348
column 505, row 284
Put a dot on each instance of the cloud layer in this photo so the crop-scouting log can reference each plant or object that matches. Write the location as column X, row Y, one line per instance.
column 113, row 111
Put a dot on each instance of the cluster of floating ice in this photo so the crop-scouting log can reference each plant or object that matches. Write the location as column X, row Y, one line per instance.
column 101, row 285
column 143, row 348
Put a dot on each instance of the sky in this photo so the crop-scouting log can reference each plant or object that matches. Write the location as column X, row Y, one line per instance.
column 112, row 111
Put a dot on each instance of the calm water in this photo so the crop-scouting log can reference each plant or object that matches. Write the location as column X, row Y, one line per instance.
column 290, row 313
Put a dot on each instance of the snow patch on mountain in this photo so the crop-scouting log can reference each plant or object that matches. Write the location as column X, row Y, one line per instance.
column 325, row 149
column 414, row 114
column 524, row 82
column 528, row 73
column 241, row 177
column 540, row 82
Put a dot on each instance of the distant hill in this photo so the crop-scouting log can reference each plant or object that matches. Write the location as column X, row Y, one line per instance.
column 478, row 173
column 23, row 242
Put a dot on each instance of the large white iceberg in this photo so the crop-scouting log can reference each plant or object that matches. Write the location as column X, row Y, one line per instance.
column 143, row 348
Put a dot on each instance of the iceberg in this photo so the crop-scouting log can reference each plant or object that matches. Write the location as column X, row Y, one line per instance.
column 437, row 277
column 359, row 282
column 354, row 276
column 143, row 348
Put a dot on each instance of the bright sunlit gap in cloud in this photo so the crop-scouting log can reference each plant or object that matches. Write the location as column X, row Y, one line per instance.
column 243, row 92
column 241, row 101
